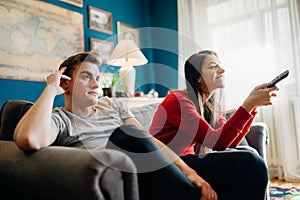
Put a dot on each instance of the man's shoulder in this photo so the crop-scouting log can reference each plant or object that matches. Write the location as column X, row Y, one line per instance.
column 57, row 110
column 60, row 113
column 107, row 102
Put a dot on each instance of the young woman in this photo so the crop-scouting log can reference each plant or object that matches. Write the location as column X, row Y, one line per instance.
column 190, row 117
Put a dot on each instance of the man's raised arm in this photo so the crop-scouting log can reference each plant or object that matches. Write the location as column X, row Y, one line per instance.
column 35, row 130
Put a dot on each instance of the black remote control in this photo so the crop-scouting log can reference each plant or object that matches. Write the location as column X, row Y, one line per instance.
column 278, row 78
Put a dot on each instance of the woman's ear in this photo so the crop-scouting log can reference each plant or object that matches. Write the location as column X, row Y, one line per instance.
column 200, row 80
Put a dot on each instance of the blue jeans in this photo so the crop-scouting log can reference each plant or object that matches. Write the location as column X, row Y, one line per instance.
column 234, row 175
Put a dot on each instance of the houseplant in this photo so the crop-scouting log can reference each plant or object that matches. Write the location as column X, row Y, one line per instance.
column 109, row 86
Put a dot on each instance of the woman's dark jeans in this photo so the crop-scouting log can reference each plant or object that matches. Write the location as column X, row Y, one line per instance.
column 234, row 175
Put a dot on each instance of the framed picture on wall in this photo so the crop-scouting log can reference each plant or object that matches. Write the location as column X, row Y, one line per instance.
column 40, row 43
column 100, row 20
column 126, row 31
column 73, row 2
column 102, row 47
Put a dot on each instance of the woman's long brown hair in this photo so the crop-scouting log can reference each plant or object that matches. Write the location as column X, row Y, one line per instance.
column 193, row 70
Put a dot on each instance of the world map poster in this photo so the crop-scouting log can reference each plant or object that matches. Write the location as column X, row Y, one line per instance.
column 36, row 37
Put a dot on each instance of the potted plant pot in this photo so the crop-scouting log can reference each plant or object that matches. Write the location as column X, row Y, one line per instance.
column 108, row 91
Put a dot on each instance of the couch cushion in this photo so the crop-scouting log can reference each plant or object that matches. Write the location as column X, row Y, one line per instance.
column 10, row 114
column 144, row 114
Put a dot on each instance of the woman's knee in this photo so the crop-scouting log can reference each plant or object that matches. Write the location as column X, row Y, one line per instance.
column 255, row 166
column 253, row 157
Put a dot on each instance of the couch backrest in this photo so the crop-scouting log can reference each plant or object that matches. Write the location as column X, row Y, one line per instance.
column 144, row 114
column 10, row 114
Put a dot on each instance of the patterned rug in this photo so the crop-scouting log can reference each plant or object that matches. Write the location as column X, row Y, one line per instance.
column 284, row 192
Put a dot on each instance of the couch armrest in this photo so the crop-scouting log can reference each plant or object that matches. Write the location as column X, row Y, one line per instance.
column 258, row 138
column 65, row 173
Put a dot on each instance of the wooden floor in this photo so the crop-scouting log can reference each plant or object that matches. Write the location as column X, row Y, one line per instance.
column 281, row 182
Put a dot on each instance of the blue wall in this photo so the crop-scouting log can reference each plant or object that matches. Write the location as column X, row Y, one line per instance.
column 138, row 13
column 165, row 42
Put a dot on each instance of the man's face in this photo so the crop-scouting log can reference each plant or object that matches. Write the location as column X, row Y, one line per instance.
column 84, row 84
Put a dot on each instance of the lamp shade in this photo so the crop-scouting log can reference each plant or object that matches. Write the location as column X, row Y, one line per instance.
column 126, row 54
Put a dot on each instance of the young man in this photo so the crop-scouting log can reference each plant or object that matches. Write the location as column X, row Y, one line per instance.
column 89, row 122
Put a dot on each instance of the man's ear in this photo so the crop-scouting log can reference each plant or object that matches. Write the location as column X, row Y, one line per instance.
column 63, row 83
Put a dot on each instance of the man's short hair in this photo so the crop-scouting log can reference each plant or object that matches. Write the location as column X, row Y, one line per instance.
column 73, row 60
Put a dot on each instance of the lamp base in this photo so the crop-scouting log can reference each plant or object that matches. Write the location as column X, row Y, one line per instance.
column 127, row 75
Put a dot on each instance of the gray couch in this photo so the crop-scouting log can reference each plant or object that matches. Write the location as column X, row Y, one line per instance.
column 69, row 173
column 59, row 172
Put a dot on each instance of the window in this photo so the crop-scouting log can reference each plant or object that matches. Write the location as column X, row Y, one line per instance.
column 255, row 40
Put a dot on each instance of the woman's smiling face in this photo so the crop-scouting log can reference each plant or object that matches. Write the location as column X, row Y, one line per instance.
column 212, row 74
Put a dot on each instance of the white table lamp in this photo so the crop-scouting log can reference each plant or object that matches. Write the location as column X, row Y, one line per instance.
column 127, row 54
